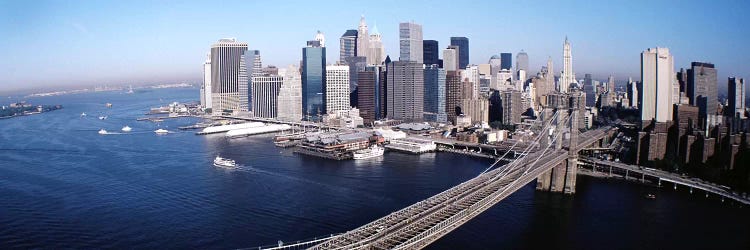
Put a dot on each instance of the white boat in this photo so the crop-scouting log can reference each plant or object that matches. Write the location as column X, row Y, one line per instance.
column 126, row 129
column 161, row 131
column 104, row 117
column 83, row 114
column 371, row 152
column 223, row 162
column 102, row 132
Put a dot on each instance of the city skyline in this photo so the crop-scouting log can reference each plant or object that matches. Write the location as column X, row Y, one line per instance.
column 167, row 42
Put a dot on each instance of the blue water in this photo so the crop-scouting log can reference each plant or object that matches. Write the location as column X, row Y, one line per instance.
column 62, row 185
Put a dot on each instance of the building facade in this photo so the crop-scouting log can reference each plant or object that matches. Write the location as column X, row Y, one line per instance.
column 430, row 52
column 434, row 94
column 657, row 74
column 348, row 45
column 406, row 90
column 736, row 97
column 410, row 42
column 266, row 95
column 229, row 76
column 363, row 39
column 568, row 76
column 463, row 50
column 522, row 62
column 701, row 88
column 377, row 50
column 450, row 58
column 337, row 88
column 506, row 61
column 290, row 95
column 313, row 81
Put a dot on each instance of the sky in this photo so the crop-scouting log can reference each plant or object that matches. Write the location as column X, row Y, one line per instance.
column 57, row 44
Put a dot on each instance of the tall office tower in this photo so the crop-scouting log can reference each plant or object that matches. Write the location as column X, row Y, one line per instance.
column 266, row 95
column 430, row 52
column 337, row 88
column 453, row 95
column 450, row 58
column 522, row 62
column 633, row 95
column 611, row 84
column 590, row 90
column 567, row 76
column 406, row 90
column 495, row 62
column 377, row 50
column 657, row 73
column 290, row 94
column 320, row 38
column 471, row 74
column 434, row 94
column 463, row 50
column 313, row 81
column 506, row 61
column 702, row 84
column 410, row 42
column 206, row 87
column 356, row 64
column 348, row 45
column 736, row 97
column 540, row 90
column 511, row 106
column 682, row 80
column 229, row 78
column 384, row 88
column 367, row 94
column 257, row 66
column 550, row 77
column 363, row 39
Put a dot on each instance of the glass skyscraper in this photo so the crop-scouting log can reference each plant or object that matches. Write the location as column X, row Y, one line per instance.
column 430, row 52
column 506, row 61
column 313, row 81
column 434, row 94
column 463, row 50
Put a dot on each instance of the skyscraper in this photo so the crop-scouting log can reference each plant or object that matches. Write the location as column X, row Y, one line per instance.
column 657, row 74
column 506, row 61
column 367, row 95
column 337, row 88
column 377, row 50
column 430, row 52
column 320, row 38
column 450, row 58
column 463, row 50
column 567, row 77
column 348, row 45
column 736, row 97
column 453, row 95
column 363, row 39
column 229, row 76
column 633, row 95
column 550, row 76
column 434, row 94
column 701, row 89
column 206, row 87
column 511, row 106
column 522, row 62
column 313, row 81
column 290, row 94
column 356, row 64
column 406, row 90
column 410, row 42
column 265, row 95
column 254, row 68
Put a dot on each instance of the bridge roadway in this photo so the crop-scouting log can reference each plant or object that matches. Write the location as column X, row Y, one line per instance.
column 663, row 176
column 422, row 223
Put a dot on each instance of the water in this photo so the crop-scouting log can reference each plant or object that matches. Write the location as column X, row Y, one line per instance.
column 64, row 185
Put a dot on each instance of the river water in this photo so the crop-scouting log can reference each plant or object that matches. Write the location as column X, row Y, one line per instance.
column 62, row 185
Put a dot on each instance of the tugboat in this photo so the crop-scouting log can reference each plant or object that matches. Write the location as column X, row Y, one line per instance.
column 224, row 163
column 371, row 152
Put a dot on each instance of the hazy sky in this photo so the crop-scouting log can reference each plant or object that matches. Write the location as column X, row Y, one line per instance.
column 64, row 43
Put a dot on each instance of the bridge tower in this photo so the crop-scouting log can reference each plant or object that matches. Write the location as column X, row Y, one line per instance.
column 562, row 178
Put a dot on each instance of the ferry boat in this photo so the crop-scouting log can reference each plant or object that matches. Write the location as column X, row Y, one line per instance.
column 126, row 128
column 102, row 132
column 371, row 152
column 161, row 131
column 223, row 162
